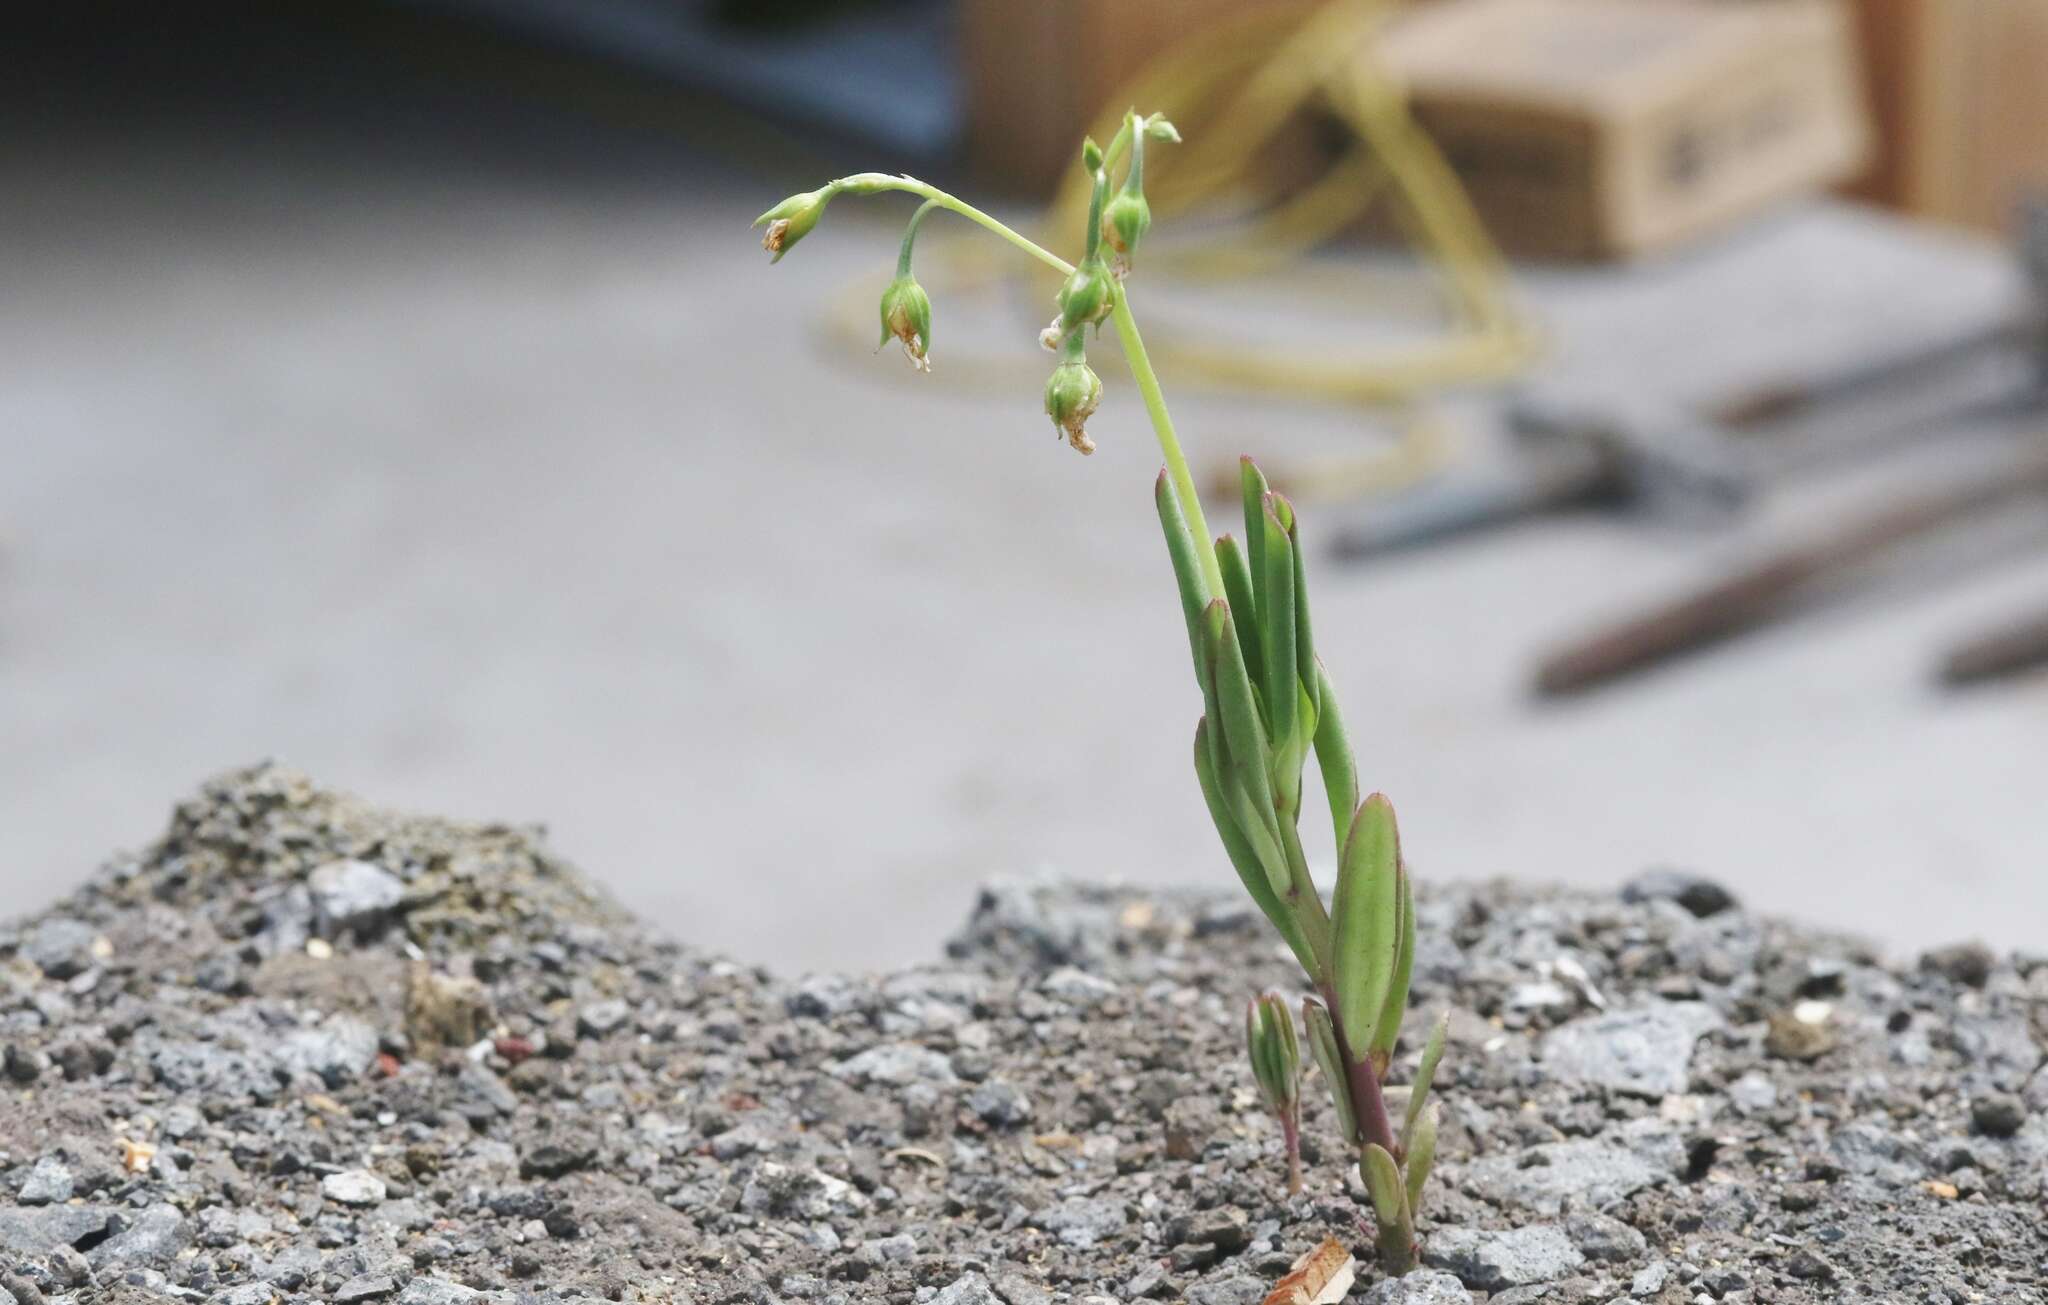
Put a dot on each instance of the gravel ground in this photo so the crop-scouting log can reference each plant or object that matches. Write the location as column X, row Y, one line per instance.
column 306, row 1050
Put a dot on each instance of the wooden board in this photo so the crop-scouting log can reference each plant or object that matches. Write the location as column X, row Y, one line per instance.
column 1961, row 101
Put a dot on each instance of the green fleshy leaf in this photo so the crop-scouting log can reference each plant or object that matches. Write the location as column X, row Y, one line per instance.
column 1421, row 1148
column 1425, row 1074
column 1243, row 858
column 1253, row 818
column 1244, row 736
column 1263, row 840
column 1305, row 665
column 1367, row 911
column 1212, row 704
column 1308, row 714
column 1322, row 1042
column 1383, row 1183
column 1237, row 587
column 1333, row 757
column 1187, row 570
column 1276, row 627
column 1253, row 483
column 1388, row 1030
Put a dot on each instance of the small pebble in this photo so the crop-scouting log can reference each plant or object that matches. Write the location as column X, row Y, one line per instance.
column 1998, row 1114
column 353, row 1187
column 1000, row 1103
column 1966, row 963
column 1696, row 893
column 48, row 1182
column 601, row 1018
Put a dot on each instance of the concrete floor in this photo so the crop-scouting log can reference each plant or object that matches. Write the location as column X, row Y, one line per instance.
column 464, row 451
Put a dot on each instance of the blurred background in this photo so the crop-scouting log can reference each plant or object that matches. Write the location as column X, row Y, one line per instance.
column 399, row 391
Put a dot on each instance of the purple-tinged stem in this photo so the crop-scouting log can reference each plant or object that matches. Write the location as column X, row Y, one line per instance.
column 1290, row 1131
column 1368, row 1105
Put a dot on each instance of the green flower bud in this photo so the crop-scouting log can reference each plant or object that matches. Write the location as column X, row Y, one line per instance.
column 1088, row 296
column 792, row 220
column 1275, row 1053
column 1125, row 219
column 1071, row 396
column 907, row 315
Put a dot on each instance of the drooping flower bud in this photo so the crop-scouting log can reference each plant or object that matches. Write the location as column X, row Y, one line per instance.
column 1125, row 219
column 1158, row 128
column 792, row 220
column 1088, row 296
column 907, row 315
column 1072, row 394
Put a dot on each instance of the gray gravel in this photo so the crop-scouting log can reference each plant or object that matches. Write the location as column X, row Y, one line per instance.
column 492, row 1086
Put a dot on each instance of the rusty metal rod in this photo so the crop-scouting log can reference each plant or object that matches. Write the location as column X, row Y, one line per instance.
column 1764, row 590
column 1997, row 654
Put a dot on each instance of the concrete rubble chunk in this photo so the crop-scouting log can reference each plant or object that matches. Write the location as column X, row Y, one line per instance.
column 49, row 1182
column 60, row 947
column 1550, row 1176
column 1646, row 1051
column 153, row 1237
column 896, row 1065
column 1498, row 1261
column 352, row 896
column 353, row 1187
column 970, row 1289
column 40, row 1230
column 1422, row 1287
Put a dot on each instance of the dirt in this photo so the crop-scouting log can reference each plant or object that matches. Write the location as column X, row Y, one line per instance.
column 303, row 1049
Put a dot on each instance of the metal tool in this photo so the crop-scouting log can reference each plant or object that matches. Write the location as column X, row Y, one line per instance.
column 1767, row 589
column 2010, row 650
column 1579, row 449
column 1567, row 458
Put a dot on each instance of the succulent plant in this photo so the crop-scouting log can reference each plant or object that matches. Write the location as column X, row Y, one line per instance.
column 1268, row 704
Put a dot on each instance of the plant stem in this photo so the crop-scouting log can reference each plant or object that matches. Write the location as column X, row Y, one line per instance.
column 910, row 235
column 1169, row 443
column 1396, row 1243
column 1290, row 1131
column 1303, row 903
column 1368, row 1103
column 869, row 183
column 1095, row 198
column 1118, row 143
